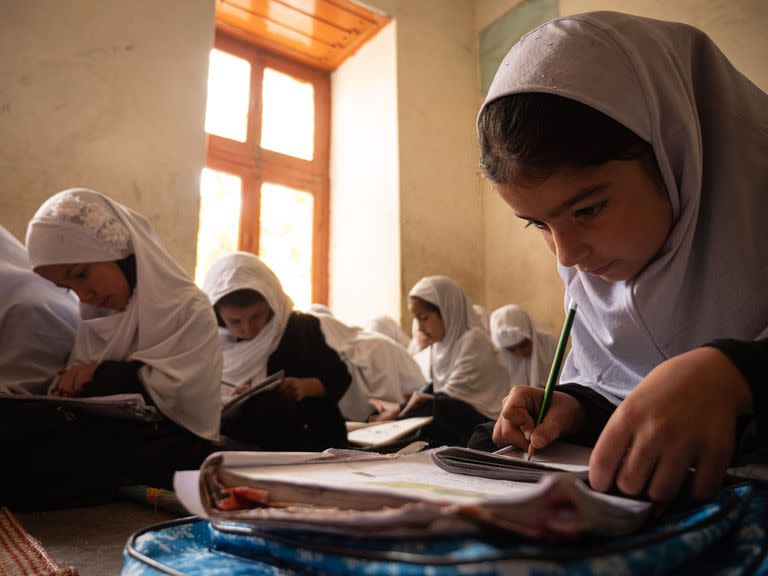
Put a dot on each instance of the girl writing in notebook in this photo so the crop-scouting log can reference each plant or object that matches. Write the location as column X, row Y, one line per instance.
column 468, row 379
column 261, row 334
column 640, row 155
column 145, row 329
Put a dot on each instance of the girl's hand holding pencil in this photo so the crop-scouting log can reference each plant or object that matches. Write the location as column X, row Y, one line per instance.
column 517, row 426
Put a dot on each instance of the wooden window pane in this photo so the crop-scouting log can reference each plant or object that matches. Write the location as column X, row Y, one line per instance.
column 219, row 228
column 285, row 239
column 288, row 115
column 229, row 79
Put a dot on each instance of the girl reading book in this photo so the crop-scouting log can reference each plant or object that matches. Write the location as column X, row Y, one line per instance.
column 261, row 334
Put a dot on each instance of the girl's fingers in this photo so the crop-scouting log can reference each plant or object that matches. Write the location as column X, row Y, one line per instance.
column 710, row 471
column 670, row 474
column 608, row 454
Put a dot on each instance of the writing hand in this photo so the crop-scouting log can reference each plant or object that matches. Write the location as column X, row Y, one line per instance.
column 682, row 415
column 517, row 425
column 72, row 380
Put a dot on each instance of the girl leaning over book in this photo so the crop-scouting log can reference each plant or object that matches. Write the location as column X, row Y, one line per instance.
column 145, row 329
column 468, row 379
column 640, row 154
column 261, row 334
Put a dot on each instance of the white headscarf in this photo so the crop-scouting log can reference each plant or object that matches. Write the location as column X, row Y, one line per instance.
column 464, row 363
column 168, row 324
column 379, row 366
column 246, row 360
column 511, row 325
column 708, row 125
column 388, row 327
column 483, row 317
column 37, row 323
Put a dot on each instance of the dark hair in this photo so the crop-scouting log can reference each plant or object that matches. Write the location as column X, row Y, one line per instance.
column 237, row 299
column 128, row 268
column 528, row 136
column 428, row 305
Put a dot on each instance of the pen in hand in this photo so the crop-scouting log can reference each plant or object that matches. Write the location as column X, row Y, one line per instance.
column 554, row 372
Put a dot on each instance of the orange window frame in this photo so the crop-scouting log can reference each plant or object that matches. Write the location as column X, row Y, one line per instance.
column 255, row 165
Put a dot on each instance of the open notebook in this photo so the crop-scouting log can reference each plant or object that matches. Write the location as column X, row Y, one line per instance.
column 119, row 406
column 401, row 494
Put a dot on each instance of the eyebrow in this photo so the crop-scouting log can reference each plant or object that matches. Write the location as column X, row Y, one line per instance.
column 557, row 212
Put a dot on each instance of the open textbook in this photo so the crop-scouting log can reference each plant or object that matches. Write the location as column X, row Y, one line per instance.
column 374, row 434
column 401, row 494
column 133, row 406
column 119, row 406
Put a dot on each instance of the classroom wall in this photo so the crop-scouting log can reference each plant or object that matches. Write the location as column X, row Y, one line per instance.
column 441, row 214
column 110, row 95
column 519, row 268
column 365, row 257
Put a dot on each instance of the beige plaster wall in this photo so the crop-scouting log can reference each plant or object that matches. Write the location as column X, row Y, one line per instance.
column 441, row 215
column 106, row 94
column 519, row 268
column 365, row 210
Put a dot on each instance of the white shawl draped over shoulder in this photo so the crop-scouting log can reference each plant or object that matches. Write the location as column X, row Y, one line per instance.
column 380, row 367
column 37, row 323
column 511, row 325
column 464, row 363
column 168, row 324
column 708, row 125
column 245, row 361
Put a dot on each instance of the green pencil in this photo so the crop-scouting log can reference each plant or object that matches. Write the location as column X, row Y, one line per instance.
column 554, row 372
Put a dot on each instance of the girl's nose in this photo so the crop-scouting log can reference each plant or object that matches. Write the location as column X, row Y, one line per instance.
column 570, row 248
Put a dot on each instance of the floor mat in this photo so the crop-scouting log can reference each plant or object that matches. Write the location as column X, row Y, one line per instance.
column 22, row 555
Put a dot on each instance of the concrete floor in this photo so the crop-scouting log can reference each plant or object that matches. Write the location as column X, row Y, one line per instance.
column 90, row 539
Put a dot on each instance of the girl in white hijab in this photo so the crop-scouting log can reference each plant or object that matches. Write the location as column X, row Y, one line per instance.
column 527, row 350
column 152, row 318
column 387, row 326
column 641, row 154
column 145, row 328
column 261, row 334
column 37, row 323
column 467, row 378
column 381, row 369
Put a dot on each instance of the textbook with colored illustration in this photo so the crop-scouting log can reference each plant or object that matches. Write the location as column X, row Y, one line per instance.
column 444, row 490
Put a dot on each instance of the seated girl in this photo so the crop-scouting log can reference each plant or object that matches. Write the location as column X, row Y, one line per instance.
column 387, row 326
column 527, row 350
column 469, row 381
column 381, row 369
column 37, row 323
column 261, row 334
column 145, row 328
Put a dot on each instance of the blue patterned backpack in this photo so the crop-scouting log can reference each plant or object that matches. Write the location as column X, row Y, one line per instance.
column 727, row 536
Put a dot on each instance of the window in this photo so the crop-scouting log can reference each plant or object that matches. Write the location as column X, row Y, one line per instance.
column 265, row 187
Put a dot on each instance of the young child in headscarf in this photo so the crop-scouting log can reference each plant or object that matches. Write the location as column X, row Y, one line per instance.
column 37, row 323
column 381, row 369
column 261, row 334
column 145, row 329
column 387, row 326
column 527, row 350
column 641, row 155
column 468, row 379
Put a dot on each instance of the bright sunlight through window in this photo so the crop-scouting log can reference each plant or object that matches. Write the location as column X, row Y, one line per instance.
column 285, row 240
column 219, row 219
column 288, row 118
column 226, row 113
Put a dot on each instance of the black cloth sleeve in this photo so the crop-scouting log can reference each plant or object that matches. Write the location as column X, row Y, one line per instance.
column 113, row 377
column 750, row 358
column 303, row 353
column 598, row 410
